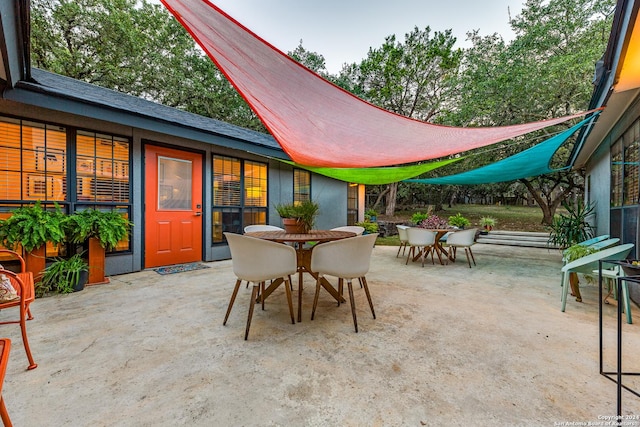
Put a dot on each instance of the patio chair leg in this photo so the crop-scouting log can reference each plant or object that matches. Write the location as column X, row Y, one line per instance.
column 565, row 291
column 262, row 294
column 287, row 289
column 467, row 254
column 315, row 297
column 233, row 298
column 472, row 257
column 254, row 293
column 411, row 250
column 363, row 280
column 340, row 289
column 353, row 304
column 25, row 340
column 399, row 247
column 6, row 421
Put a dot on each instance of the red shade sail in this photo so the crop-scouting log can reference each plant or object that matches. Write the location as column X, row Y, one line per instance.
column 316, row 122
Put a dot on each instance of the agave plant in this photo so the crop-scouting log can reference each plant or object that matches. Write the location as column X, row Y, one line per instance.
column 573, row 227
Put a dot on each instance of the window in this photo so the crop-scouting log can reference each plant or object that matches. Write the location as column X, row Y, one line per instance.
column 616, row 174
column 33, row 161
column 102, row 168
column 239, row 195
column 352, row 204
column 301, row 185
column 630, row 177
column 625, row 185
column 102, row 175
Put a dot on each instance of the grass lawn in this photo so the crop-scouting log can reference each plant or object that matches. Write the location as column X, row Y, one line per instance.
column 511, row 218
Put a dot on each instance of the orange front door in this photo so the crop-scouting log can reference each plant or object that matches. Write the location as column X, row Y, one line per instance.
column 173, row 206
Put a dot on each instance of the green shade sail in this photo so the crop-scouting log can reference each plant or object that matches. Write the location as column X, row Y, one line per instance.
column 532, row 162
column 375, row 176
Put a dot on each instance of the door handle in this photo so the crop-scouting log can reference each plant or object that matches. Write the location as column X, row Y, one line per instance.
column 198, row 213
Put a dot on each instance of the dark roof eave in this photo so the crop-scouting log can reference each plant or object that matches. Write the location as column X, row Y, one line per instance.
column 39, row 95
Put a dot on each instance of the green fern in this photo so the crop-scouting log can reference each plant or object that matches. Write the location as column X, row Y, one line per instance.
column 32, row 226
column 109, row 227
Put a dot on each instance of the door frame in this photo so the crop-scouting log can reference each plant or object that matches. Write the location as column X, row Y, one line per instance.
column 205, row 199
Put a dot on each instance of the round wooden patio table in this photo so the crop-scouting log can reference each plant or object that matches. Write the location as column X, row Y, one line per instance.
column 440, row 250
column 303, row 256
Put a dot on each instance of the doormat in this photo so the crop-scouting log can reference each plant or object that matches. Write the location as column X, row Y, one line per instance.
column 179, row 268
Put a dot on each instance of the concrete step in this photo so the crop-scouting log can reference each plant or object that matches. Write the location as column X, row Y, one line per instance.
column 516, row 238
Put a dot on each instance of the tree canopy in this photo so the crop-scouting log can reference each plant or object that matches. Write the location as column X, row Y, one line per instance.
column 137, row 47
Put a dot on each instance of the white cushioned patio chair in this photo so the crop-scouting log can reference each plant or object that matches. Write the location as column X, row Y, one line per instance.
column 423, row 241
column 256, row 261
column 404, row 238
column 261, row 227
column 346, row 259
column 462, row 239
column 351, row 228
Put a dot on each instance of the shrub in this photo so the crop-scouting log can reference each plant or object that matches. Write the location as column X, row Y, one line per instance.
column 433, row 222
column 418, row 217
column 459, row 221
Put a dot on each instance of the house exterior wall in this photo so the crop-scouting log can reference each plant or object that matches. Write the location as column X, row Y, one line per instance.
column 618, row 221
column 329, row 193
column 598, row 189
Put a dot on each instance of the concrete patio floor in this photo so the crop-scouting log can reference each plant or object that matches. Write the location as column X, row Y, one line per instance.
column 453, row 346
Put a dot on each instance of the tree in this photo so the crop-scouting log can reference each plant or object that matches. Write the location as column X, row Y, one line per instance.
column 544, row 72
column 134, row 47
column 410, row 79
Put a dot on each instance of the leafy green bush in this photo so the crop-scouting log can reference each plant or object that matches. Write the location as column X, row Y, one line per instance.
column 63, row 275
column 369, row 227
column 578, row 251
column 418, row 217
column 32, row 226
column 459, row 221
column 109, row 227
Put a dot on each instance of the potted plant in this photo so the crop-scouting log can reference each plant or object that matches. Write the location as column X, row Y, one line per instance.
column 459, row 221
column 372, row 214
column 64, row 275
column 418, row 217
column 369, row 227
column 572, row 227
column 102, row 230
column 487, row 223
column 298, row 217
column 32, row 227
column 433, row 222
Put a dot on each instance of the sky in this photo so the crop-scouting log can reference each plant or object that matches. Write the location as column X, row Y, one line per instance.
column 342, row 31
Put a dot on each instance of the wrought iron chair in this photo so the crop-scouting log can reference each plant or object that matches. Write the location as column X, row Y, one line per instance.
column 5, row 347
column 22, row 282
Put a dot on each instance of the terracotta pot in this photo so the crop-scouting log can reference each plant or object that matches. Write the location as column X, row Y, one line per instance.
column 96, row 263
column 36, row 261
column 291, row 225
